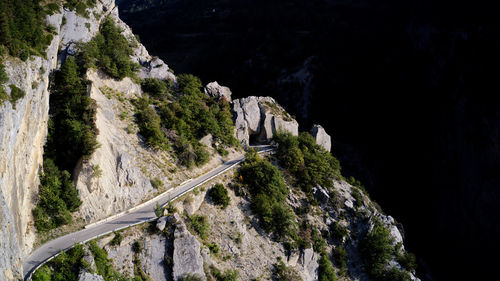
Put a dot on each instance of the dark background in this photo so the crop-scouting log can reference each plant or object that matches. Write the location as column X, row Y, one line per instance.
column 409, row 91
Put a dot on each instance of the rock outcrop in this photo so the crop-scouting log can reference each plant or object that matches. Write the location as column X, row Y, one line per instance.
column 87, row 276
column 217, row 91
column 257, row 119
column 23, row 130
column 322, row 138
column 187, row 255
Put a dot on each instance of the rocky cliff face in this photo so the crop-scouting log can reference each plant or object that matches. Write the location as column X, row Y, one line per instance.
column 23, row 130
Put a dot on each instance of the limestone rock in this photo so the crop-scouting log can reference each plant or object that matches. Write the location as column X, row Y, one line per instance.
column 308, row 265
column 322, row 138
column 217, row 91
column 161, row 223
column 321, row 194
column 207, row 140
column 87, row 276
column 261, row 118
column 187, row 256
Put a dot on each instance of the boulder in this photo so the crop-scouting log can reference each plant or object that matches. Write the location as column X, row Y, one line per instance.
column 321, row 194
column 207, row 140
column 261, row 117
column 322, row 138
column 217, row 91
column 187, row 256
column 308, row 265
column 161, row 223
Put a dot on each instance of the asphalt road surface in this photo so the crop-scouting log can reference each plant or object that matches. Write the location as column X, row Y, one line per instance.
column 137, row 215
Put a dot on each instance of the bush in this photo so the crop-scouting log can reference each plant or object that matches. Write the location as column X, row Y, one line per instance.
column 340, row 259
column 407, row 260
column 281, row 272
column 110, row 51
column 103, row 263
column 66, row 266
column 395, row 274
column 194, row 115
column 156, row 87
column 150, row 124
column 310, row 163
column 15, row 94
column 376, row 250
column 326, row 272
column 338, row 232
column 228, row 275
column 57, row 197
column 80, row 6
column 268, row 193
column 200, row 225
column 156, row 183
column 218, row 194
column 117, row 239
column 4, row 78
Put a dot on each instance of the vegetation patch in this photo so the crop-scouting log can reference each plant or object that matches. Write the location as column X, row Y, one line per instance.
column 65, row 266
column 15, row 94
column 268, row 193
column 326, row 272
column 308, row 162
column 80, row 6
column 200, row 225
column 218, row 194
column 71, row 136
column 283, row 273
column 110, row 51
column 23, row 32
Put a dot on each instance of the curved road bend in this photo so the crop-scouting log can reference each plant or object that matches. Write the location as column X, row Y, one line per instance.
column 140, row 215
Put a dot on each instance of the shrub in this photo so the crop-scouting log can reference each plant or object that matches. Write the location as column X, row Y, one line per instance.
column 158, row 210
column 117, row 239
column 228, row 275
column 110, row 51
column 3, row 95
column 340, row 259
column 156, row 183
column 281, row 272
column 200, row 225
column 308, row 162
column 4, row 78
column 213, row 247
column 268, row 193
column 66, row 266
column 57, row 197
column 103, row 263
column 156, row 87
column 193, row 115
column 150, row 124
column 395, row 274
column 407, row 260
column 218, row 194
column 376, row 250
column 326, row 272
column 338, row 232
column 15, row 94
column 357, row 197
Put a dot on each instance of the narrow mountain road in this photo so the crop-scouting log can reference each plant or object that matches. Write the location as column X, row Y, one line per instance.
column 137, row 215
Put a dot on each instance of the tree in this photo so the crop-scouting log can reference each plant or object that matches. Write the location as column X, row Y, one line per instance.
column 158, row 210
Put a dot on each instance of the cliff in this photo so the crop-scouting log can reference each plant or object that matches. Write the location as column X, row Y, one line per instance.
column 124, row 170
